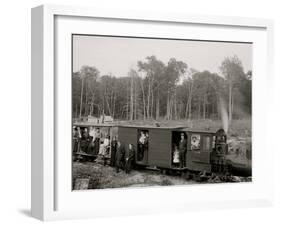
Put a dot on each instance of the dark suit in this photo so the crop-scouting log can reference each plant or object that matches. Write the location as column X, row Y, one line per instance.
column 85, row 143
column 113, row 152
column 129, row 159
column 182, row 149
column 119, row 159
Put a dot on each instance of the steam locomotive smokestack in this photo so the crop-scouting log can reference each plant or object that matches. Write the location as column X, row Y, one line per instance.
column 224, row 115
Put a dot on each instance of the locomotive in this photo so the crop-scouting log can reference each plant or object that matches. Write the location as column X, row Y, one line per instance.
column 206, row 151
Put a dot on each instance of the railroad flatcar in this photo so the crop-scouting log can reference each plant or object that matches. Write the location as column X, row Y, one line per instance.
column 87, row 148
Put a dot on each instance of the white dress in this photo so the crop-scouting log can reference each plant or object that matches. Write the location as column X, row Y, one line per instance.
column 176, row 156
column 103, row 146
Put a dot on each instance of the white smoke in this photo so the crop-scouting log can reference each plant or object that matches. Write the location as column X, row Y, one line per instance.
column 224, row 115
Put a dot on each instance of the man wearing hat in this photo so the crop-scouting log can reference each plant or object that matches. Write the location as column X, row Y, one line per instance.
column 120, row 154
column 182, row 149
column 129, row 158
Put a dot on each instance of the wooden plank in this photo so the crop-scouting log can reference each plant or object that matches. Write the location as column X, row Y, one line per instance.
column 81, row 184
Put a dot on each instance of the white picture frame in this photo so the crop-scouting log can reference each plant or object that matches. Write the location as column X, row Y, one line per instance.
column 49, row 198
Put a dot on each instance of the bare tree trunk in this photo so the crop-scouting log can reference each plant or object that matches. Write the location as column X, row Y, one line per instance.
column 128, row 104
column 230, row 103
column 152, row 104
column 190, row 101
column 86, row 101
column 204, row 107
column 186, row 107
column 92, row 105
column 175, row 105
column 171, row 107
column 168, row 107
column 148, row 100
column 108, row 107
column 102, row 112
column 81, row 98
column 135, row 100
column 143, row 99
column 131, row 100
column 114, row 101
column 157, row 105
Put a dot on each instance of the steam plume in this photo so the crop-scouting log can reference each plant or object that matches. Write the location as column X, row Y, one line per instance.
column 224, row 115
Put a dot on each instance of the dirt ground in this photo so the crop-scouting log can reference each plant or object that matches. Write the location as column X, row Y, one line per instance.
column 97, row 176
column 106, row 177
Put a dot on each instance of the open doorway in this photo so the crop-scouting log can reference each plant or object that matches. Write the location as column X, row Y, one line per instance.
column 179, row 148
column 143, row 146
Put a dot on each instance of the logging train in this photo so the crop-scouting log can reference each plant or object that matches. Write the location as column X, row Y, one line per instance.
column 206, row 151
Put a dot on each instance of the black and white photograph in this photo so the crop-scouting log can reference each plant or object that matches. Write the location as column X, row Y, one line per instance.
column 152, row 111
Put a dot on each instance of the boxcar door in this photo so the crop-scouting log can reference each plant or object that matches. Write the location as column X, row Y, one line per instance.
column 159, row 153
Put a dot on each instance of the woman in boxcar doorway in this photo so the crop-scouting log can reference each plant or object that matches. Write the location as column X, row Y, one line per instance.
column 176, row 157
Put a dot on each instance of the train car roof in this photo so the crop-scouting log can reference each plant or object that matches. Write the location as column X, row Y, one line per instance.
column 191, row 130
column 150, row 127
column 89, row 124
column 175, row 128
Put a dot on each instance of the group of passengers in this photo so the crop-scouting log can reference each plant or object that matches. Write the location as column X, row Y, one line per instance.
column 93, row 142
column 90, row 142
column 122, row 156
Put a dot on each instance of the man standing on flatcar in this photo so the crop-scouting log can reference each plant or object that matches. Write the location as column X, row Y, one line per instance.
column 120, row 153
column 85, row 142
column 182, row 149
column 129, row 158
column 97, row 141
column 76, row 139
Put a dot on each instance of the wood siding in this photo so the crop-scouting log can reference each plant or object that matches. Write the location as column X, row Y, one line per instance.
column 128, row 136
column 159, row 153
column 199, row 161
column 200, row 156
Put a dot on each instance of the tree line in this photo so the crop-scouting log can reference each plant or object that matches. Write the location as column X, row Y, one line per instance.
column 155, row 90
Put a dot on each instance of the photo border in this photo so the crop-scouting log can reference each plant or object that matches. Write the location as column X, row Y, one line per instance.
column 43, row 203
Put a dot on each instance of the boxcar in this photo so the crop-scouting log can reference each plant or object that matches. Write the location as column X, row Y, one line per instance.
column 161, row 144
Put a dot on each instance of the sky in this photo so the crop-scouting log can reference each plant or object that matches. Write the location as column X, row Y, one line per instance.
column 116, row 56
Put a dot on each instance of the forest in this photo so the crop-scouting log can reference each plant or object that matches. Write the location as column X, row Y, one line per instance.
column 159, row 91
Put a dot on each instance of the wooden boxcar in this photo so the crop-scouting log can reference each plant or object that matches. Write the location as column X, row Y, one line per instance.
column 161, row 143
